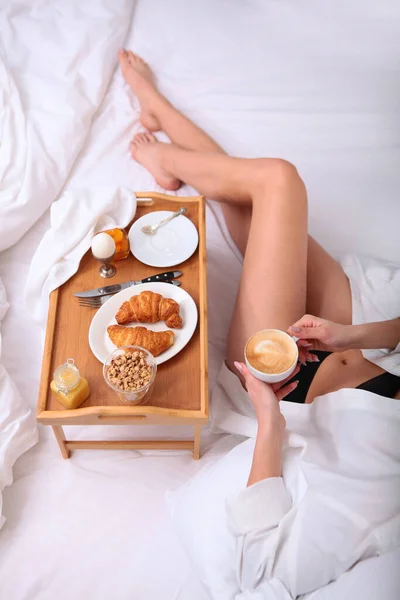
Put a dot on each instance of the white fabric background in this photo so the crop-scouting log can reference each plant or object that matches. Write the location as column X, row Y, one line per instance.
column 317, row 83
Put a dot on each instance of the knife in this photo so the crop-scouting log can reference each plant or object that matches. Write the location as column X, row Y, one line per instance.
column 117, row 287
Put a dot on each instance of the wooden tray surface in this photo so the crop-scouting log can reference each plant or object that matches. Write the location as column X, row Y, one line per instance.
column 181, row 382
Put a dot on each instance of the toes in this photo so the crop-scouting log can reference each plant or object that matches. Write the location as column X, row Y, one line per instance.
column 139, row 138
column 122, row 56
column 137, row 58
column 149, row 137
column 134, row 58
column 124, row 62
column 145, row 137
column 130, row 58
column 136, row 61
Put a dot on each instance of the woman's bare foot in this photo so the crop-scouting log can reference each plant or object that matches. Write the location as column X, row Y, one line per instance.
column 145, row 149
column 139, row 77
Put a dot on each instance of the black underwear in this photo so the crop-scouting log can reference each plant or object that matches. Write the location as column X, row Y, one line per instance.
column 385, row 384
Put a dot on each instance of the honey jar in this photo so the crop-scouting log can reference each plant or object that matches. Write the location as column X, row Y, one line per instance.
column 121, row 240
column 68, row 386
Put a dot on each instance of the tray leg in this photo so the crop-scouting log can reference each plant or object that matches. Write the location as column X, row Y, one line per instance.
column 60, row 437
column 196, row 442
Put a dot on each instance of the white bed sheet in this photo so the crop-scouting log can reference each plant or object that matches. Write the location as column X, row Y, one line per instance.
column 263, row 79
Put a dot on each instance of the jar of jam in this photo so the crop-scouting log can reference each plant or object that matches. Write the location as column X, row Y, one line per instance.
column 68, row 386
column 121, row 240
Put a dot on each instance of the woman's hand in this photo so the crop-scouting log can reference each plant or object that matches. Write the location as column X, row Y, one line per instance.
column 265, row 398
column 267, row 458
column 322, row 334
column 305, row 355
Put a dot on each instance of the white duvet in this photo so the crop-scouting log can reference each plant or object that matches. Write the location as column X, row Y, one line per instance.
column 314, row 82
column 56, row 61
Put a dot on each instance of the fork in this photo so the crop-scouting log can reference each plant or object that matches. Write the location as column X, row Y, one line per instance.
column 94, row 302
column 98, row 301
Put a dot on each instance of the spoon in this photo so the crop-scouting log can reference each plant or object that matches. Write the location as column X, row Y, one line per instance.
column 152, row 229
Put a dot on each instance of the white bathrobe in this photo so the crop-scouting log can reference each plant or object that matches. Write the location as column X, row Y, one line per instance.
column 338, row 501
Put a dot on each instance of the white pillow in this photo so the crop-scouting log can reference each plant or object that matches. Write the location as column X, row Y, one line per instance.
column 198, row 513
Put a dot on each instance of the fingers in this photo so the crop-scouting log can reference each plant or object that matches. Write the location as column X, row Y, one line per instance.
column 280, row 389
column 277, row 386
column 306, row 333
column 306, row 357
column 257, row 390
column 245, row 373
column 303, row 357
column 306, row 327
column 308, row 321
column 243, row 370
column 285, row 391
column 312, row 357
column 302, row 332
column 304, row 344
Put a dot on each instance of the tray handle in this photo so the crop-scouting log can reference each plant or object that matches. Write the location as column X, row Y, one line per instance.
column 147, row 198
column 122, row 417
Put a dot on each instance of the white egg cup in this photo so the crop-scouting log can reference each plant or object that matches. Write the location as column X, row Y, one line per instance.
column 106, row 270
column 105, row 244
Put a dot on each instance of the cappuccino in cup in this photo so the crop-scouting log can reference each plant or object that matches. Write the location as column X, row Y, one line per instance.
column 271, row 355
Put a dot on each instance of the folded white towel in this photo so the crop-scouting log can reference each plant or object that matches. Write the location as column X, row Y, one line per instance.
column 75, row 218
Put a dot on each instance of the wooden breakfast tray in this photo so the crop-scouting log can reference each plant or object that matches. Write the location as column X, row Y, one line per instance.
column 180, row 394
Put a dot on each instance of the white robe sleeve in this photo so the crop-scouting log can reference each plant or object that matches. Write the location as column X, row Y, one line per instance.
column 253, row 517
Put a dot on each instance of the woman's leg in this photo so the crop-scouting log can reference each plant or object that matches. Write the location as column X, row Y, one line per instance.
column 157, row 113
column 328, row 292
column 272, row 291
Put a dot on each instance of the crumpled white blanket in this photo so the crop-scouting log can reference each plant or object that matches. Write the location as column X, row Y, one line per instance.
column 18, row 430
column 56, row 62
column 51, row 85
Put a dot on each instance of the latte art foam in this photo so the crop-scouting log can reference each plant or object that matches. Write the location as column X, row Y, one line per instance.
column 270, row 352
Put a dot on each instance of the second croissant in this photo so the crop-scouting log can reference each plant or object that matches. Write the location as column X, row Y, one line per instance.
column 149, row 307
column 155, row 342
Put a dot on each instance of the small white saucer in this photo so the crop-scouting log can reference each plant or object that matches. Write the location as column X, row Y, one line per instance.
column 173, row 243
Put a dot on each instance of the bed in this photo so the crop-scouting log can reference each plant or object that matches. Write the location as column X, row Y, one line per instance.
column 316, row 83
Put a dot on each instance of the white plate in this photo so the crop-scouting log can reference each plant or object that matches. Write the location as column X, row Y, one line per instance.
column 173, row 243
column 102, row 346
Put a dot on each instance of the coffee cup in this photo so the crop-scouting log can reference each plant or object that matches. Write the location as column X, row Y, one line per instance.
column 271, row 355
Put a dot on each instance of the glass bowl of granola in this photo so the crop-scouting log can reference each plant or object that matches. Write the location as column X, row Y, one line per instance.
column 131, row 371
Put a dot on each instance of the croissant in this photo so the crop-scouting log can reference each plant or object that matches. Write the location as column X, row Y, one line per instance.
column 155, row 342
column 149, row 307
